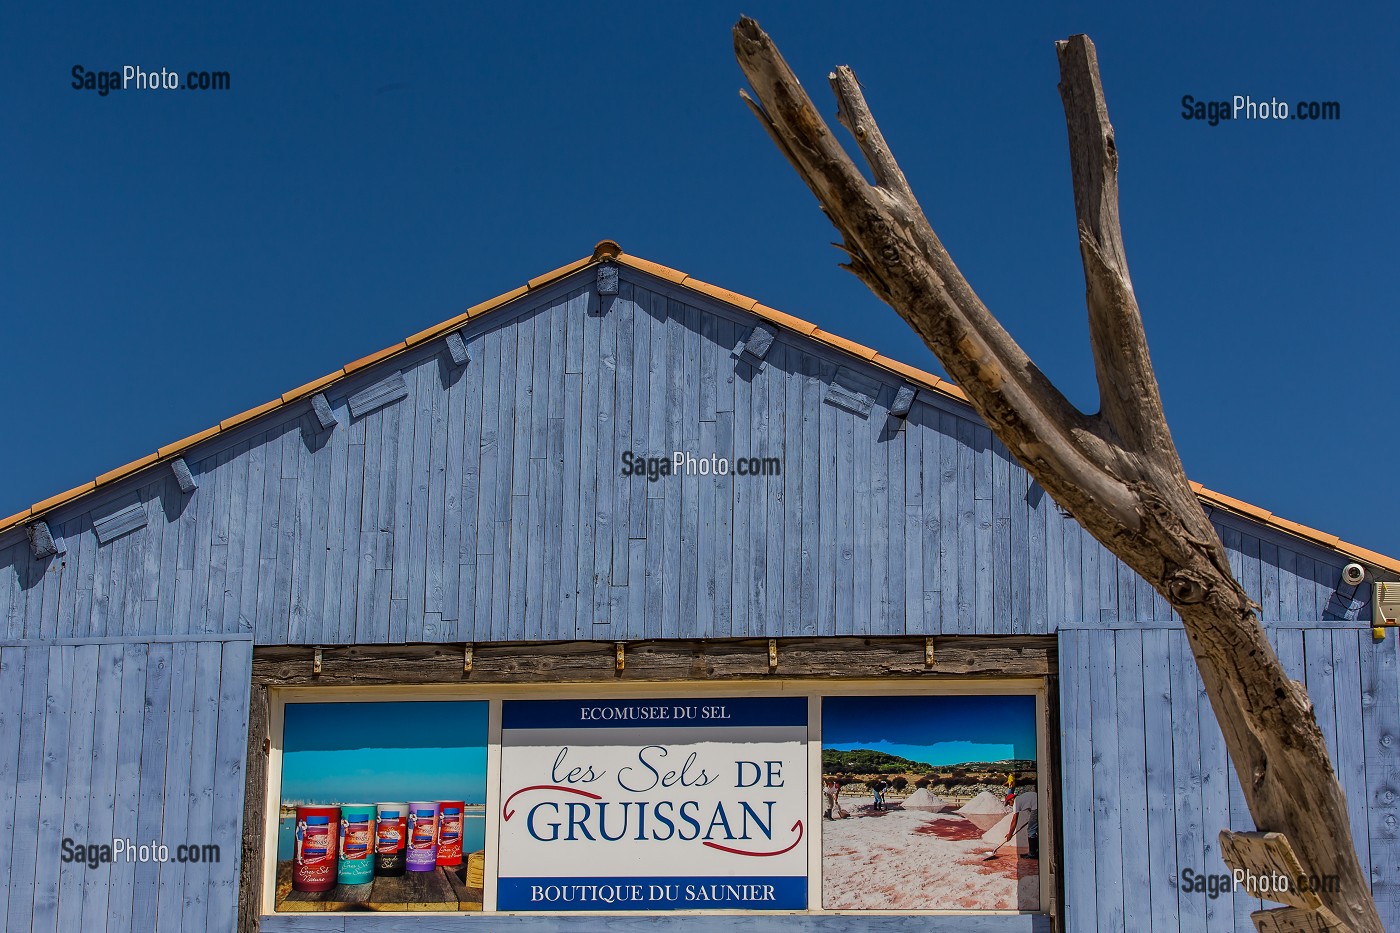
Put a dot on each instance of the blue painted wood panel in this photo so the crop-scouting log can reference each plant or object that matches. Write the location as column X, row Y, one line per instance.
column 124, row 739
column 487, row 503
column 1147, row 786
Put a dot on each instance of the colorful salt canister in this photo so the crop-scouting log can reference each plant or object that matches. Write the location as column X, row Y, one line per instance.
column 391, row 834
column 356, row 844
column 450, row 815
column 314, row 859
column 422, row 836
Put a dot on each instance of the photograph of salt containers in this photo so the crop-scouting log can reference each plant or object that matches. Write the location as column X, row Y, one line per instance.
column 382, row 856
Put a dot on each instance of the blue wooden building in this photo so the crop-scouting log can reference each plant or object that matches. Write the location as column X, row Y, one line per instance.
column 458, row 507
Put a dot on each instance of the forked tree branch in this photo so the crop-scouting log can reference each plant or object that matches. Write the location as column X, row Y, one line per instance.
column 1117, row 472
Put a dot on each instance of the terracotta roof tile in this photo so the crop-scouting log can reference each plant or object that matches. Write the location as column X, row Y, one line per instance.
column 794, row 324
column 494, row 303
column 841, row 343
column 55, row 501
column 132, row 467
column 437, row 330
column 1230, row 502
column 1305, row 531
column 373, row 358
column 654, row 268
column 181, row 446
column 742, row 302
column 7, row 523
column 557, row 274
column 1367, row 556
column 251, row 413
column 312, row 387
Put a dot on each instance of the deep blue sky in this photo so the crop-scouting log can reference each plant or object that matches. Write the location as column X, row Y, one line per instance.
column 392, row 752
column 174, row 258
column 936, row 730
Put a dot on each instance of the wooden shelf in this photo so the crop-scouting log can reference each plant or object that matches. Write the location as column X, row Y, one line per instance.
column 443, row 889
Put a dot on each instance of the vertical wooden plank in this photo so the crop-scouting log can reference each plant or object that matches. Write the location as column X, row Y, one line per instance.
column 1008, row 521
column 1108, row 587
column 586, row 556
column 863, row 528
column 741, row 583
column 845, row 523
column 1108, row 838
column 776, row 600
column 875, row 569
column 1380, row 726
column 655, row 572
column 891, row 593
column 792, row 492
column 103, row 789
column 605, row 464
column 472, row 383
column 1215, row 805
column 952, row 603
column 1134, row 827
column 1127, row 593
column 230, row 754
column 12, row 687
column 368, row 530
column 533, row 510
column 671, row 619
column 200, row 816
column 1351, row 750
column 77, row 791
column 984, row 543
column 1077, row 779
column 1186, row 779
column 53, row 777
column 642, row 378
column 237, row 519
column 202, row 568
column 1044, row 585
column 829, row 499
column 51, row 589
column 723, row 532
column 249, row 566
column 929, row 544
column 343, row 569
column 1090, row 555
column 120, row 890
column 151, row 792
column 760, row 550
column 28, row 780
column 1287, row 585
column 523, row 328
column 1250, row 571
column 301, row 629
column 707, row 497
column 1055, row 566
column 622, row 498
column 1269, row 581
column 915, row 432
column 426, row 388
column 1159, row 741
column 565, row 625
column 291, row 502
column 178, row 780
column 439, row 502
column 1317, row 660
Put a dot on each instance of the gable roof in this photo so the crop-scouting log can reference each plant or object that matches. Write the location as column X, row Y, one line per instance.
column 610, row 251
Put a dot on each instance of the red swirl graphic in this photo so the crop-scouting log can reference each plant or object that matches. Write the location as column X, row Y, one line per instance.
column 797, row 826
column 507, row 813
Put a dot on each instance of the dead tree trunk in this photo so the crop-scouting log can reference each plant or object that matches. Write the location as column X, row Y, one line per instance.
column 1117, row 472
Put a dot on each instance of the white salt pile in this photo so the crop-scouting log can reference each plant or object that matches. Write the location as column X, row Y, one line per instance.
column 924, row 799
column 984, row 811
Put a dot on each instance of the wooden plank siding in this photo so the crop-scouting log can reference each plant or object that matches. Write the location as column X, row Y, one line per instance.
column 487, row 504
column 1143, row 757
column 133, row 739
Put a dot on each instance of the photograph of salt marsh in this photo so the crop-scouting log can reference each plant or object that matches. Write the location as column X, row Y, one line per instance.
column 930, row 803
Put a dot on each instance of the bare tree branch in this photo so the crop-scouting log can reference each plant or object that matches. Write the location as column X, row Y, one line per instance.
column 1117, row 472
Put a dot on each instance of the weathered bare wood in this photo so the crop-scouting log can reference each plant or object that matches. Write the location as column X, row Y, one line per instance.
column 1291, row 920
column 254, row 812
column 659, row 661
column 1117, row 472
column 1268, row 856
